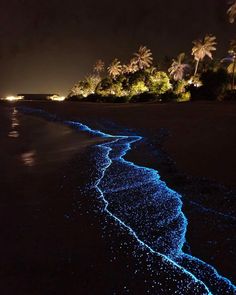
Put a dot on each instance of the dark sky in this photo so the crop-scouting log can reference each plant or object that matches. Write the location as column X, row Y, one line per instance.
column 46, row 46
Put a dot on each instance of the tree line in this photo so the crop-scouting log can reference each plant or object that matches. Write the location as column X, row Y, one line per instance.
column 140, row 80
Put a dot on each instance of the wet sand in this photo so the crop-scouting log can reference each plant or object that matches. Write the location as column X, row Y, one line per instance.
column 55, row 238
column 201, row 136
column 43, row 167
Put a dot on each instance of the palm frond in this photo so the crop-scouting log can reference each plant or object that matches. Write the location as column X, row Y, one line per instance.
column 232, row 13
column 178, row 68
column 115, row 68
column 99, row 66
column 143, row 58
column 204, row 47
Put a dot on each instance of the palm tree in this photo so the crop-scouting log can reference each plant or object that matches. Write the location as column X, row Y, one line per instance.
column 203, row 48
column 90, row 83
column 232, row 12
column 131, row 67
column 178, row 68
column 143, row 58
column 232, row 66
column 233, row 45
column 115, row 68
column 151, row 70
column 99, row 66
column 85, row 87
column 231, row 59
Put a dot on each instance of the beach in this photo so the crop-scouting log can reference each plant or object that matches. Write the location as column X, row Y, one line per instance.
column 201, row 136
column 192, row 146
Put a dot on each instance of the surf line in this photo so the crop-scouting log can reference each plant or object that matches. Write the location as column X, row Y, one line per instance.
column 130, row 140
column 127, row 141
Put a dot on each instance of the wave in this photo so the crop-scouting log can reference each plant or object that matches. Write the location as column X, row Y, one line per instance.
column 140, row 202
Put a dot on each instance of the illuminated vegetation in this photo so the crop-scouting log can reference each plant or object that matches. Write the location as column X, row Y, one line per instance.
column 99, row 67
column 232, row 13
column 232, row 66
column 203, row 48
column 178, row 68
column 196, row 75
column 115, row 68
column 85, row 87
column 141, row 79
column 143, row 58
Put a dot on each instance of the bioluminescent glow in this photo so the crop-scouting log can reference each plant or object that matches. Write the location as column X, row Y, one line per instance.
column 137, row 199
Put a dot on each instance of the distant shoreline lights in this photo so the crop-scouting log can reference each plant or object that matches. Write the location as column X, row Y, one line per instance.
column 13, row 98
column 57, row 98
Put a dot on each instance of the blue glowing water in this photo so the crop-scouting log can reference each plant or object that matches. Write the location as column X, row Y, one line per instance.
column 137, row 199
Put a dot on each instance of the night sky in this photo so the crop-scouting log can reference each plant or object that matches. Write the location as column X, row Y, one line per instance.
column 46, row 46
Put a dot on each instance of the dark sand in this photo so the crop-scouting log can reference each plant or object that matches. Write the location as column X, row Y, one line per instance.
column 202, row 135
column 44, row 248
column 50, row 247
column 53, row 239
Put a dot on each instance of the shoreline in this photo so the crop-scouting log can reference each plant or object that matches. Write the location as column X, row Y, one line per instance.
column 132, row 139
column 54, row 227
column 199, row 195
column 200, row 136
column 161, row 161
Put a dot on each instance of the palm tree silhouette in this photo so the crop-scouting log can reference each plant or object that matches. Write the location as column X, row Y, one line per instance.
column 232, row 66
column 232, row 12
column 143, row 58
column 203, row 48
column 99, row 66
column 115, row 68
column 178, row 68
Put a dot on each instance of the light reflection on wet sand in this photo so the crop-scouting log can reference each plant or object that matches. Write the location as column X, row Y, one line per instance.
column 14, row 124
column 36, row 143
column 13, row 134
column 29, row 158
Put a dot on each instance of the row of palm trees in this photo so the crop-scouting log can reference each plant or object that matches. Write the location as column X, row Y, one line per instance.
column 142, row 60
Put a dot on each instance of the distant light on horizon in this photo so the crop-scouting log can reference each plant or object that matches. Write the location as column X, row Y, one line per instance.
column 57, row 97
column 13, row 98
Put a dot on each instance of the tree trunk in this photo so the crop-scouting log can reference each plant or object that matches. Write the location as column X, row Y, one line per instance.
column 196, row 67
column 233, row 78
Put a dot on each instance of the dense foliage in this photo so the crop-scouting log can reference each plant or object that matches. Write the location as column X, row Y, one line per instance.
column 139, row 80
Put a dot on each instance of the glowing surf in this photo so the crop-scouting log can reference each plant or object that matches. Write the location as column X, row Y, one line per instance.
column 140, row 202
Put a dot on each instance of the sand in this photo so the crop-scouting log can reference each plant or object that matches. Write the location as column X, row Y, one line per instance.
column 201, row 136
column 53, row 245
column 192, row 145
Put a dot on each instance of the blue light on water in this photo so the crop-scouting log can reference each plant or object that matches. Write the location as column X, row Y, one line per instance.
column 136, row 198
